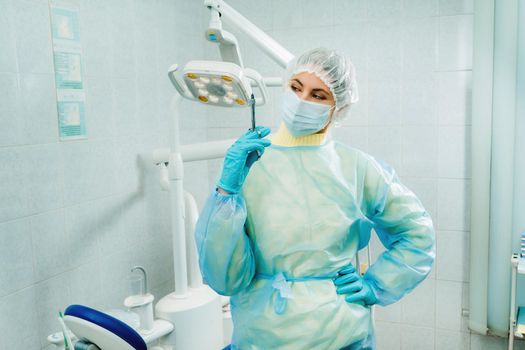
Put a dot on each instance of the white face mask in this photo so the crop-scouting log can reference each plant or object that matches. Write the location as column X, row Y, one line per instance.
column 303, row 117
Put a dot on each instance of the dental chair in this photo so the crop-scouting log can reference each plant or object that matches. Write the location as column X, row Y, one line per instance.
column 108, row 332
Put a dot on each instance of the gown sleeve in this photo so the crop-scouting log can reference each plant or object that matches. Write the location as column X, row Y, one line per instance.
column 404, row 228
column 225, row 251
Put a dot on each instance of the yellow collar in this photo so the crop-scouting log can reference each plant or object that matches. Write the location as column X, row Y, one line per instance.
column 283, row 138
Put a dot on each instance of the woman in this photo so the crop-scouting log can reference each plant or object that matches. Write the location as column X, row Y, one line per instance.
column 290, row 213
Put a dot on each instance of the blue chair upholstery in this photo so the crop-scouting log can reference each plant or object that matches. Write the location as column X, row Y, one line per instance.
column 115, row 326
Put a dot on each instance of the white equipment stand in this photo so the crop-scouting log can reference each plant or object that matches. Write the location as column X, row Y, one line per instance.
column 518, row 267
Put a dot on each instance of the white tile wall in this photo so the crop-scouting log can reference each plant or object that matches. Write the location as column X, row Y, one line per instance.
column 42, row 176
column 388, row 335
column 315, row 15
column 419, row 151
column 391, row 314
column 452, row 204
column 346, row 9
column 384, row 143
column 452, row 340
column 286, row 14
column 455, row 42
column 454, row 152
column 13, row 202
column 449, row 303
column 16, row 252
column 38, row 110
column 417, row 308
column 48, row 235
column 7, row 38
column 19, row 320
column 33, row 37
column 452, row 263
column 355, row 136
column 419, row 100
column 384, row 107
column 12, row 128
column 455, row 104
column 416, row 338
column 384, row 59
column 452, row 7
column 384, row 8
column 420, row 8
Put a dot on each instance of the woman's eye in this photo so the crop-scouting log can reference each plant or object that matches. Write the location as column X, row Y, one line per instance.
column 319, row 97
column 294, row 88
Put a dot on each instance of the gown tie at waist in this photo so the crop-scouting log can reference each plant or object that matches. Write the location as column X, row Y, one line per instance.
column 283, row 285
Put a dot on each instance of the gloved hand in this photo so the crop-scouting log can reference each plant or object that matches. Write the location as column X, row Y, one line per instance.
column 351, row 283
column 241, row 156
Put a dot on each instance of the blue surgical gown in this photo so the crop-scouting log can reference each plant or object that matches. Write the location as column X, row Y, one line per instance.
column 302, row 215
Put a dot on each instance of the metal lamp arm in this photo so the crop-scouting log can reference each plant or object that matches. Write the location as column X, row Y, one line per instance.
column 266, row 43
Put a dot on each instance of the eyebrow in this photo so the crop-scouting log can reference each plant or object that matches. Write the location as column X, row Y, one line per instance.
column 322, row 90
column 317, row 89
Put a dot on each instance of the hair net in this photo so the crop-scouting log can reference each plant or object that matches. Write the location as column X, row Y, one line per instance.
column 337, row 72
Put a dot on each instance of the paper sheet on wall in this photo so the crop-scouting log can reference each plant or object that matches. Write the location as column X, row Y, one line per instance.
column 67, row 55
column 71, row 113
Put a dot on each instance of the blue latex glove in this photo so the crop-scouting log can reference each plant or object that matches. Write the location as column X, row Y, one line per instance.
column 241, row 156
column 358, row 289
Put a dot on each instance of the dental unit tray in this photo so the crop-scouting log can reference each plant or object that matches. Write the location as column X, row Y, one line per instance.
column 105, row 331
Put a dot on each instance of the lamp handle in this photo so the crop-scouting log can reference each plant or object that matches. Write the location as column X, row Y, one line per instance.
column 257, row 78
column 177, row 82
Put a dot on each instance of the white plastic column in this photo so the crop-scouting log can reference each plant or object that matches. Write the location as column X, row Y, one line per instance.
column 176, row 176
column 192, row 214
column 512, row 320
column 502, row 163
column 482, row 80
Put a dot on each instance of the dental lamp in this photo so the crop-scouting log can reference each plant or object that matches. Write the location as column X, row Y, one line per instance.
column 228, row 83
column 218, row 83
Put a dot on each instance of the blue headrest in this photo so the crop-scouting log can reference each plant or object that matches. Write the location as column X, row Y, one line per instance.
column 115, row 326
